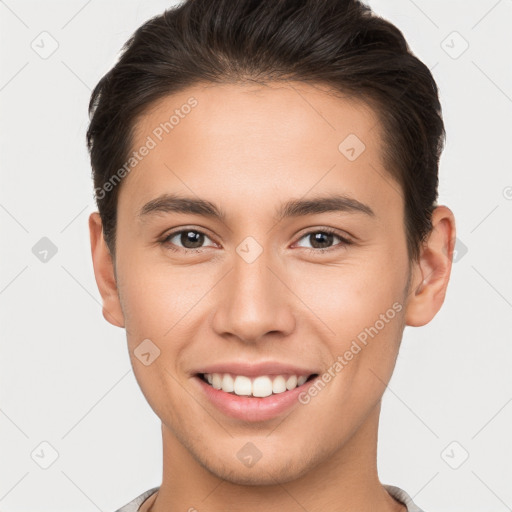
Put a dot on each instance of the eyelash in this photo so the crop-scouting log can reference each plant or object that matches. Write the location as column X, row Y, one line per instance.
column 330, row 231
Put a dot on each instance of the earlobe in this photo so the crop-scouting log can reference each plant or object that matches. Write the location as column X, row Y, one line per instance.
column 104, row 272
column 432, row 272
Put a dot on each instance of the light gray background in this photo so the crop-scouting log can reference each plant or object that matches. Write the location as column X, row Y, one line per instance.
column 65, row 374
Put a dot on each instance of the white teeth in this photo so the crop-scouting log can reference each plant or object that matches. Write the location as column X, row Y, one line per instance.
column 301, row 380
column 242, row 385
column 217, row 381
column 279, row 384
column 260, row 386
column 228, row 383
column 291, row 383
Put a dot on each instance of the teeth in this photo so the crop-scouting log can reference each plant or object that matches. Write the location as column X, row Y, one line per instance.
column 279, row 384
column 242, row 385
column 301, row 380
column 228, row 384
column 291, row 383
column 217, row 381
column 261, row 386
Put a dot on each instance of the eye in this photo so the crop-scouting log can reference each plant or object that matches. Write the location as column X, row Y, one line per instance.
column 321, row 240
column 191, row 239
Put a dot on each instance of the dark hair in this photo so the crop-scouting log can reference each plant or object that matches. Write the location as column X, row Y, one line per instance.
column 339, row 43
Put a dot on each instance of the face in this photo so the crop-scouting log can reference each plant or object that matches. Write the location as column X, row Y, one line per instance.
column 249, row 287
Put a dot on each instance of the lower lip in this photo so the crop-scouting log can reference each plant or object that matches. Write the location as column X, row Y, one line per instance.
column 250, row 408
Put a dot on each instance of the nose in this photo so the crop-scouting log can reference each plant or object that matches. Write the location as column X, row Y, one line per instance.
column 254, row 301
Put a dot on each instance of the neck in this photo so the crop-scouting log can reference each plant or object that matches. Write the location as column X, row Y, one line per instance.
column 345, row 481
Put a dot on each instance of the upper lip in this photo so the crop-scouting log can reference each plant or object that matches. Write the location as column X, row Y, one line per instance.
column 254, row 369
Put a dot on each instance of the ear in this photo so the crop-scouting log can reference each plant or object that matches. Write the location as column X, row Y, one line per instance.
column 430, row 275
column 104, row 272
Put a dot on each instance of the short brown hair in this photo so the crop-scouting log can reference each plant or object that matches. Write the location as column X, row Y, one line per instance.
column 340, row 43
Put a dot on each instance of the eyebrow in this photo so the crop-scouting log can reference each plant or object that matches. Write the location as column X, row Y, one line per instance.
column 168, row 203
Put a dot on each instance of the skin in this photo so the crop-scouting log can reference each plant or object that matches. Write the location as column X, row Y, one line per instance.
column 248, row 149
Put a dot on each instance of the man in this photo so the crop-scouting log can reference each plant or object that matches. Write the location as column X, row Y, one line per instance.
column 266, row 178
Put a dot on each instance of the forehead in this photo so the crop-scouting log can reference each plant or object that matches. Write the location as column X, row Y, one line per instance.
column 287, row 113
column 254, row 139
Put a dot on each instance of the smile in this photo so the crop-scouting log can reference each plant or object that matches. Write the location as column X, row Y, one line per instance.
column 256, row 399
column 259, row 386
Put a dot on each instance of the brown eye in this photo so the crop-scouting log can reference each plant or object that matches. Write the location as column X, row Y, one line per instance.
column 322, row 240
column 190, row 239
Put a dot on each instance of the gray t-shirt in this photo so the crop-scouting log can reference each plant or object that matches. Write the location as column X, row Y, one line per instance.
column 396, row 492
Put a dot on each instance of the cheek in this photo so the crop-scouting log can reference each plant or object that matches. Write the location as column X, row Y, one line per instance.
column 358, row 308
column 156, row 294
column 352, row 295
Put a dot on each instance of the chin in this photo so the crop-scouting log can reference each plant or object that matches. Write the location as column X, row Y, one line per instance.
column 269, row 473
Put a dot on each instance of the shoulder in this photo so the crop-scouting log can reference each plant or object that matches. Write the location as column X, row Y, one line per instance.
column 396, row 492
column 403, row 497
column 134, row 505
